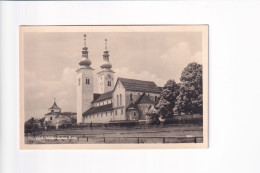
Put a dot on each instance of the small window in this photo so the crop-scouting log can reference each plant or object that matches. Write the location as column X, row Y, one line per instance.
column 50, row 118
column 116, row 112
column 134, row 114
column 131, row 97
column 122, row 111
column 108, row 83
column 52, row 111
column 78, row 81
column 155, row 98
column 87, row 81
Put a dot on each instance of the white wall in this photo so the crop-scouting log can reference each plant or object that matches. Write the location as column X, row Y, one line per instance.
column 233, row 95
column 105, row 118
column 84, row 91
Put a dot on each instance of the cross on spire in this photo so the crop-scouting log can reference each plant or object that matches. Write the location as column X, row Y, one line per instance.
column 85, row 35
column 105, row 43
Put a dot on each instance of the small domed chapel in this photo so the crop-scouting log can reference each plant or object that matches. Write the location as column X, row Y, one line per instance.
column 117, row 100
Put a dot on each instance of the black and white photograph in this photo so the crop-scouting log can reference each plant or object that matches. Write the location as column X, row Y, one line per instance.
column 119, row 86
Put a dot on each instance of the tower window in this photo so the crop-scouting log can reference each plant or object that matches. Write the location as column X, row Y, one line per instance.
column 78, row 81
column 87, row 81
column 108, row 83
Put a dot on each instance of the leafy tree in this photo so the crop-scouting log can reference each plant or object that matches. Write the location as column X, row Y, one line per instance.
column 190, row 99
column 31, row 125
column 167, row 99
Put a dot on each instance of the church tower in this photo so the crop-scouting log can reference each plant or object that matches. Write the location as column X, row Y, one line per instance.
column 85, row 82
column 106, row 75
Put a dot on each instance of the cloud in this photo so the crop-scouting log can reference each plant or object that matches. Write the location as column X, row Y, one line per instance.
column 39, row 93
column 179, row 56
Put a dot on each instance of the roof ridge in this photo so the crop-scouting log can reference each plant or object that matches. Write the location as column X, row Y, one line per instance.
column 136, row 79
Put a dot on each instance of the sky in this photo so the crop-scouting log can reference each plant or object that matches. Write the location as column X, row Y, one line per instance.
column 51, row 60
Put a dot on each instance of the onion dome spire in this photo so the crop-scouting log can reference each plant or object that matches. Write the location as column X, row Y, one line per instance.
column 84, row 60
column 106, row 64
column 55, row 107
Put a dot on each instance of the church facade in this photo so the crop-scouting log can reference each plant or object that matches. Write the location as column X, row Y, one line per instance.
column 117, row 100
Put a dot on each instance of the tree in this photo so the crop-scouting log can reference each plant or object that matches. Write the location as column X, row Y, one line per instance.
column 167, row 99
column 32, row 125
column 190, row 99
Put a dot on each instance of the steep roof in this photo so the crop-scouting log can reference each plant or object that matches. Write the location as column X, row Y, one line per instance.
column 104, row 96
column 98, row 109
column 132, row 106
column 54, row 106
column 96, row 96
column 141, row 99
column 139, row 85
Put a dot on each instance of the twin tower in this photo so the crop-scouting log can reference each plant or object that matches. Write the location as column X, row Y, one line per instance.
column 85, row 80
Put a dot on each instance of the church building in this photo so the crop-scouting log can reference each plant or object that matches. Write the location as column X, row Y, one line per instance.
column 117, row 99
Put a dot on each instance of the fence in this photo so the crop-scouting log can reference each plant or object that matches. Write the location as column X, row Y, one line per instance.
column 85, row 139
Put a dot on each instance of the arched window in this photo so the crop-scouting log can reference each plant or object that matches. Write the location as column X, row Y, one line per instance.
column 117, row 101
column 120, row 100
column 131, row 97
